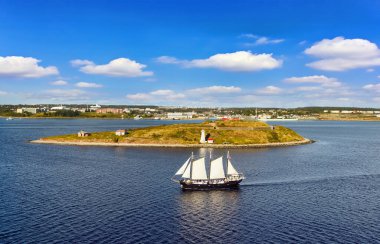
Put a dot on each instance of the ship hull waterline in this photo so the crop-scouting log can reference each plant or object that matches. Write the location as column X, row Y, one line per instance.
column 224, row 186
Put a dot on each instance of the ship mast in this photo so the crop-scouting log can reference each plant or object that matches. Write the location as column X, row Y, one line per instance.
column 228, row 157
column 209, row 173
column 191, row 165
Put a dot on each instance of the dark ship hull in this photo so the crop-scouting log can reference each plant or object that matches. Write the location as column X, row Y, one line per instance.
column 210, row 186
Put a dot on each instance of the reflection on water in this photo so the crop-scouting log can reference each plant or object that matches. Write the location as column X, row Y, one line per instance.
column 203, row 212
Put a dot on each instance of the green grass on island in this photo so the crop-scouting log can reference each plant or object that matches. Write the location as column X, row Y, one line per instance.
column 223, row 132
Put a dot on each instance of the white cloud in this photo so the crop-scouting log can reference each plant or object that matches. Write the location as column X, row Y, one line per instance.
column 3, row 93
column 88, row 85
column 140, row 97
column 343, row 99
column 241, row 61
column 266, row 40
column 59, row 83
column 372, row 87
column 215, row 90
column 169, row 60
column 81, row 62
column 319, row 79
column 261, row 40
column 157, row 96
column 308, row 88
column 24, row 67
column 378, row 76
column 302, row 42
column 122, row 67
column 162, row 92
column 248, row 35
column 270, row 90
column 341, row 54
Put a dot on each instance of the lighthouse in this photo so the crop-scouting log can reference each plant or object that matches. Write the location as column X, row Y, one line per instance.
column 203, row 137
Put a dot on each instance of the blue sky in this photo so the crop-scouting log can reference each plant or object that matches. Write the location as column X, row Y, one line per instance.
column 191, row 53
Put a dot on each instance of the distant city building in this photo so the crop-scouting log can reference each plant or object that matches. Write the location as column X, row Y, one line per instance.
column 178, row 115
column 137, row 110
column 150, row 110
column 27, row 110
column 366, row 112
column 335, row 111
column 109, row 110
column 58, row 108
column 96, row 106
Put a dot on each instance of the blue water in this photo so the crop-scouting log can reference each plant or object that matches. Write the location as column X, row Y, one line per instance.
column 326, row 192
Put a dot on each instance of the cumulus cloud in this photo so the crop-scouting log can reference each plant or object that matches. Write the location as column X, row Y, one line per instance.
column 270, row 90
column 341, row 54
column 319, row 79
column 372, row 87
column 215, row 89
column 3, row 93
column 241, row 61
column 122, row 67
column 59, row 83
column 24, row 67
column 88, row 85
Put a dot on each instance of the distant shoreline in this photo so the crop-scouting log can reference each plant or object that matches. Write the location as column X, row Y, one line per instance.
column 117, row 118
column 113, row 144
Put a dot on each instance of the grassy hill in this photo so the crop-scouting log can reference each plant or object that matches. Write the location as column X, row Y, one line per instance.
column 223, row 132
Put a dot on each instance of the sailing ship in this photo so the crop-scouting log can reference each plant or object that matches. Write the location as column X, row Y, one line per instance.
column 193, row 174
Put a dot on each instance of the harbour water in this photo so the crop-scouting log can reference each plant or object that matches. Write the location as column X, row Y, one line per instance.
column 325, row 192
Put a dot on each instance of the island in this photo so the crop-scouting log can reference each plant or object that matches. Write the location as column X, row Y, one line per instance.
column 215, row 134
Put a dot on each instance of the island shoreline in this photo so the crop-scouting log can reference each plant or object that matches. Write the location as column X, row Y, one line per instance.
column 115, row 144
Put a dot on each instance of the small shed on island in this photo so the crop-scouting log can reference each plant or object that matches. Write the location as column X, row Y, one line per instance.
column 210, row 140
column 121, row 132
column 83, row 134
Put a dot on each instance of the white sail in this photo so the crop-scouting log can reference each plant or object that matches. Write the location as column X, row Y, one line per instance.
column 230, row 169
column 183, row 167
column 186, row 174
column 216, row 169
column 199, row 170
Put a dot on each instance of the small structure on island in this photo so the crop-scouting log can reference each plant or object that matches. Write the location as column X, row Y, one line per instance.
column 83, row 133
column 210, row 140
column 121, row 132
column 203, row 137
